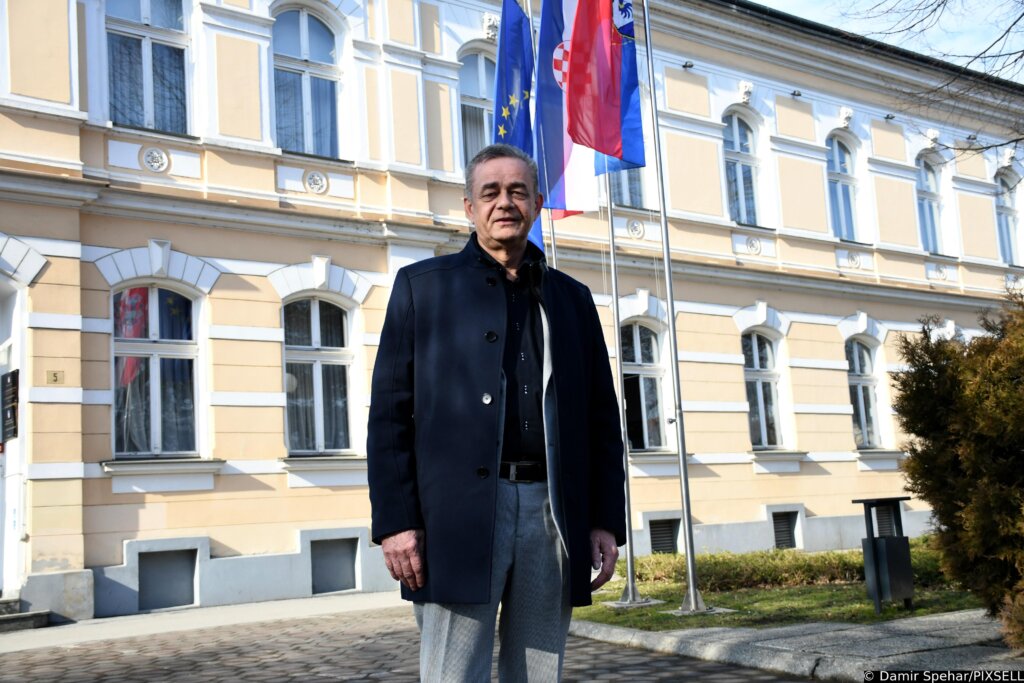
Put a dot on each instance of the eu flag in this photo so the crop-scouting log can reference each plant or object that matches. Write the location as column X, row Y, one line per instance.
column 512, row 123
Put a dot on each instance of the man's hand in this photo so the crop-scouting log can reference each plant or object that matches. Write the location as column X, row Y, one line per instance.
column 403, row 554
column 603, row 553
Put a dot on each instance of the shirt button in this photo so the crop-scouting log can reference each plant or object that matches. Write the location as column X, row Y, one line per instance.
column 486, row 399
column 483, row 472
column 491, row 336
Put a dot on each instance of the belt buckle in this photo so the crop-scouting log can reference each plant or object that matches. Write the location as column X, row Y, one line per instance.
column 513, row 471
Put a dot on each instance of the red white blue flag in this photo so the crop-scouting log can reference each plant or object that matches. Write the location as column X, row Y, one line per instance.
column 603, row 92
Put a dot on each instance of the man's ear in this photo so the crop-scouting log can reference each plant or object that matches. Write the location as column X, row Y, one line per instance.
column 468, row 206
column 539, row 204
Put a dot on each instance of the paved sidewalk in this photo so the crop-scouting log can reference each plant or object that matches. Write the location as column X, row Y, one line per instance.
column 966, row 640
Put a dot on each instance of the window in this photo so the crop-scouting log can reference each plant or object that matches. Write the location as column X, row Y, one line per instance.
column 664, row 533
column 1006, row 214
column 146, row 44
column 862, row 394
column 762, row 390
column 627, row 188
column 476, row 83
column 784, row 528
column 739, row 169
column 840, row 189
column 928, row 205
column 316, row 377
column 154, row 373
column 305, row 84
column 641, row 375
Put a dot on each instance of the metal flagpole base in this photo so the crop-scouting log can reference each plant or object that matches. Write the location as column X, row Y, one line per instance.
column 638, row 602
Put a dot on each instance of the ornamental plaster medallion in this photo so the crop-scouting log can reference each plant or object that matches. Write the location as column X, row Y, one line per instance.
column 155, row 159
column 754, row 246
column 492, row 22
column 316, row 182
column 853, row 258
column 940, row 273
column 635, row 229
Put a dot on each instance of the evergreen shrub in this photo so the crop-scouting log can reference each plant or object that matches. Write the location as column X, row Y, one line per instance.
column 962, row 404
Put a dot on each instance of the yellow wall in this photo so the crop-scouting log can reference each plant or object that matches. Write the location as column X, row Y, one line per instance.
column 405, row 117
column 887, row 140
column 440, row 143
column 430, row 28
column 795, row 117
column 694, row 175
column 978, row 225
column 971, row 163
column 897, row 211
column 687, row 92
column 400, row 21
column 238, row 87
column 40, row 62
column 802, row 186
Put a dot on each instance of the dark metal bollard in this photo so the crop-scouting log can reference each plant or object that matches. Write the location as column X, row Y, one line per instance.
column 887, row 569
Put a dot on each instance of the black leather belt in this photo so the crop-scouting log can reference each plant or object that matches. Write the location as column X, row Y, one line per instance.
column 523, row 472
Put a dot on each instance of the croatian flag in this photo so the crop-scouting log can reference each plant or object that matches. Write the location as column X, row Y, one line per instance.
column 603, row 103
column 566, row 169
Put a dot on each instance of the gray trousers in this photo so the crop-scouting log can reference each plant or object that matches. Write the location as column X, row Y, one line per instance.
column 529, row 578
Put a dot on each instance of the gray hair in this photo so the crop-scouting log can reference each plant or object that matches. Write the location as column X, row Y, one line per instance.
column 500, row 151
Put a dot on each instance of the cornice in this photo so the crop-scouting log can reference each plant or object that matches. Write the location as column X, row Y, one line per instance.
column 47, row 189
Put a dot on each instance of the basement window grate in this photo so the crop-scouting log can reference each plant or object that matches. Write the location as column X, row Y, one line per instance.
column 784, row 524
column 664, row 533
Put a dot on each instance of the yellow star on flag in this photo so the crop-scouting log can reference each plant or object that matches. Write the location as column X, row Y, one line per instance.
column 501, row 131
column 504, row 112
column 526, row 94
column 513, row 100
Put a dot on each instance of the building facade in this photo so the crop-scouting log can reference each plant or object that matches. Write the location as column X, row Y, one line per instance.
column 203, row 204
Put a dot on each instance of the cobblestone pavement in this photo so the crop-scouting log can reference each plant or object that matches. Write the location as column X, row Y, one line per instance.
column 380, row 645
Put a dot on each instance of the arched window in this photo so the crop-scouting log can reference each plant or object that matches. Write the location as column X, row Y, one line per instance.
column 841, row 189
column 860, row 359
column 928, row 205
column 762, row 390
column 476, row 85
column 739, row 169
column 317, row 359
column 641, row 375
column 146, row 43
column 1006, row 215
column 305, row 84
column 154, row 372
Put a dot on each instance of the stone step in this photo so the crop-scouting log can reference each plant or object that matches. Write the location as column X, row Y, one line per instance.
column 10, row 606
column 25, row 620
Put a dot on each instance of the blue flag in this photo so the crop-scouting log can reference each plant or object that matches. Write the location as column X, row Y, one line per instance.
column 513, row 85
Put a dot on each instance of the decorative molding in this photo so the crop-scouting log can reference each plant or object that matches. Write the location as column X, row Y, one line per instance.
column 753, row 245
column 851, row 259
column 244, row 333
column 641, row 304
column 55, row 395
column 710, row 357
column 98, row 397
column 98, row 325
column 324, row 471
column 761, row 315
column 716, row 407
column 823, row 409
column 861, row 323
column 51, row 247
column 19, row 261
column 879, row 460
column 941, row 273
column 54, row 321
column 293, row 279
column 261, row 399
column 777, row 462
column 321, row 271
column 129, row 264
column 819, row 364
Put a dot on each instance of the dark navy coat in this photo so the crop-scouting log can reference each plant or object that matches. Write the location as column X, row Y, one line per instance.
column 436, row 421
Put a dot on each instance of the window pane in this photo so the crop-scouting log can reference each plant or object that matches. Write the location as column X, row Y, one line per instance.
column 286, row 34
column 768, row 390
column 125, row 57
column 746, row 137
column 166, row 14
column 325, row 129
column 131, row 405
column 332, row 325
column 653, row 412
column 626, row 342
column 851, row 358
column 175, row 315
column 864, row 354
column 469, row 76
column 858, row 417
column 727, row 133
column 124, row 9
column 489, row 76
column 474, row 132
column 837, row 215
column 870, row 419
column 843, row 159
column 765, row 352
column 131, row 313
column 733, row 190
column 298, row 330
column 748, row 351
column 831, row 160
column 177, row 418
column 321, row 41
column 634, row 412
column 748, row 194
column 847, row 203
column 301, row 424
column 648, row 345
column 1006, row 237
column 754, row 415
column 335, row 406
column 288, row 106
column 169, row 88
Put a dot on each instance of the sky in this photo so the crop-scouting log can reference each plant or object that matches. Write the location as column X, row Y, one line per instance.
column 968, row 28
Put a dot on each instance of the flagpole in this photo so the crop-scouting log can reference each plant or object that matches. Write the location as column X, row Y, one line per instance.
column 540, row 138
column 630, row 596
column 695, row 600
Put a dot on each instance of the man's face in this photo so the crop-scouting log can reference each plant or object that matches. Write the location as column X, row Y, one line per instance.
column 504, row 203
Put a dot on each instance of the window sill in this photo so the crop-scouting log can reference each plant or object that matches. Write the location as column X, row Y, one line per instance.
column 161, row 475
column 777, row 461
column 325, row 471
column 158, row 465
column 320, row 462
column 878, row 459
column 153, row 133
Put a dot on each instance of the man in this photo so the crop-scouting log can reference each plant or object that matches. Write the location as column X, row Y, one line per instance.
column 494, row 450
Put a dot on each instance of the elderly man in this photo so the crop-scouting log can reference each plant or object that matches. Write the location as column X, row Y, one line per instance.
column 495, row 454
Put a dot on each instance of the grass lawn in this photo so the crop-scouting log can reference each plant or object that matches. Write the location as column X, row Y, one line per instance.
column 764, row 607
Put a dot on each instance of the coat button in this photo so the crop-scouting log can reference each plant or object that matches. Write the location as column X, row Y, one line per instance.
column 491, row 282
column 483, row 472
column 486, row 399
column 491, row 336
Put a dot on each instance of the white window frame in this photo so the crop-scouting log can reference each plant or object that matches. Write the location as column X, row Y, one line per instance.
column 150, row 34
column 308, row 69
column 153, row 349
column 762, row 376
column 485, row 102
column 318, row 355
column 741, row 159
column 864, row 382
column 837, row 177
column 1006, row 220
column 929, row 197
column 622, row 182
column 642, row 370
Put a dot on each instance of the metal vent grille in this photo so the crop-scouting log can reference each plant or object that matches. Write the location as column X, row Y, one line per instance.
column 885, row 521
column 663, row 535
column 784, row 524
